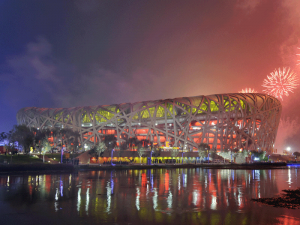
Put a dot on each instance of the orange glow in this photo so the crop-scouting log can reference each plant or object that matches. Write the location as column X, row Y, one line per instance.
column 140, row 138
column 142, row 131
column 50, row 139
column 167, row 181
column 48, row 183
column 161, row 184
column 144, row 179
column 93, row 160
column 288, row 220
column 110, row 132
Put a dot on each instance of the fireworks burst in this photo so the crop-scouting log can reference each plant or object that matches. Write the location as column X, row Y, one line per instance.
column 248, row 90
column 280, row 82
column 298, row 59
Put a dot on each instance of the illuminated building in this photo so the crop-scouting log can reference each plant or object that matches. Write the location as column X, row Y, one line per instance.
column 224, row 121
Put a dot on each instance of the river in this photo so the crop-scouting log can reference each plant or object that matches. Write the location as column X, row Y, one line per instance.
column 156, row 196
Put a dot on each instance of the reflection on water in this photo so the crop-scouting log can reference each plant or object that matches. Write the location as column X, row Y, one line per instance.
column 290, row 178
column 78, row 199
column 191, row 196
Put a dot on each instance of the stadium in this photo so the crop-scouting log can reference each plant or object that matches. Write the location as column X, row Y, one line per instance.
column 223, row 121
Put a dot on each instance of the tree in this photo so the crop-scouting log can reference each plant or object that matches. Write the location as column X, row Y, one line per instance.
column 124, row 145
column 258, row 155
column 203, row 150
column 142, row 146
column 296, row 154
column 40, row 138
column 55, row 132
column 3, row 136
column 203, row 147
column 234, row 153
column 156, row 151
column 245, row 153
column 134, row 142
column 72, row 140
column 202, row 154
column 23, row 135
column 110, row 142
column 149, row 145
column 140, row 149
column 213, row 153
column 67, row 137
column 63, row 134
column 174, row 153
column 45, row 148
column 100, row 147
column 41, row 142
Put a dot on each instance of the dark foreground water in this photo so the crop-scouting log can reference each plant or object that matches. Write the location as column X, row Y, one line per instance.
column 160, row 196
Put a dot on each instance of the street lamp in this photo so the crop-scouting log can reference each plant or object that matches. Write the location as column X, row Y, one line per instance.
column 288, row 148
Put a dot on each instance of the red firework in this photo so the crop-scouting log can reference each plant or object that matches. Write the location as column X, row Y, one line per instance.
column 280, row 82
column 248, row 90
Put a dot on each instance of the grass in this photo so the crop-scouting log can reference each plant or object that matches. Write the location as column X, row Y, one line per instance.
column 19, row 159
column 57, row 156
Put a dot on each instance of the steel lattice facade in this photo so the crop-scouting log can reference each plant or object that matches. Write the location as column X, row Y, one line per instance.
column 224, row 121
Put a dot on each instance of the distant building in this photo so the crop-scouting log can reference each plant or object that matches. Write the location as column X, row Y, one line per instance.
column 224, row 121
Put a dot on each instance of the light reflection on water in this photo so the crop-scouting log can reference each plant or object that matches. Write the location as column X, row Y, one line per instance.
column 290, row 178
column 163, row 196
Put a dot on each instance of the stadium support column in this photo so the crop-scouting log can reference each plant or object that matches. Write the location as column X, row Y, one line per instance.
column 166, row 125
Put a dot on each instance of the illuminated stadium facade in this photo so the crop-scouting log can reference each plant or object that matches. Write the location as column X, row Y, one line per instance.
column 224, row 121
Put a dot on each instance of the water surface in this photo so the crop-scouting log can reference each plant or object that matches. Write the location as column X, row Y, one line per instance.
column 157, row 196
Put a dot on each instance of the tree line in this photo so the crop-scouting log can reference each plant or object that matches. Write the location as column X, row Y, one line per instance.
column 43, row 140
column 109, row 142
column 40, row 140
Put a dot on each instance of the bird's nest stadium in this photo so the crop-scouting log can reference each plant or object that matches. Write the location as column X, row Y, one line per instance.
column 224, row 121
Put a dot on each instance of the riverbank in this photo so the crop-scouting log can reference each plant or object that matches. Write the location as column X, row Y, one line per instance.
column 36, row 168
column 68, row 168
column 249, row 166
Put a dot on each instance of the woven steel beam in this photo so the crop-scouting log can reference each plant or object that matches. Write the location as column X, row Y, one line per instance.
column 224, row 121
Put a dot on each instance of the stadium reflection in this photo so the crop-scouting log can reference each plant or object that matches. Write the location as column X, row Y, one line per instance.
column 203, row 196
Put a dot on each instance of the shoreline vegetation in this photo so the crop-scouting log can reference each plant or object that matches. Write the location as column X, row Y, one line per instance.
column 66, row 168
column 289, row 199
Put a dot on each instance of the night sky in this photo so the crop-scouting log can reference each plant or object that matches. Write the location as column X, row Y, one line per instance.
column 89, row 52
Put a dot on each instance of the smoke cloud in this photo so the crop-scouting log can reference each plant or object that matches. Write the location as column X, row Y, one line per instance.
column 287, row 129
